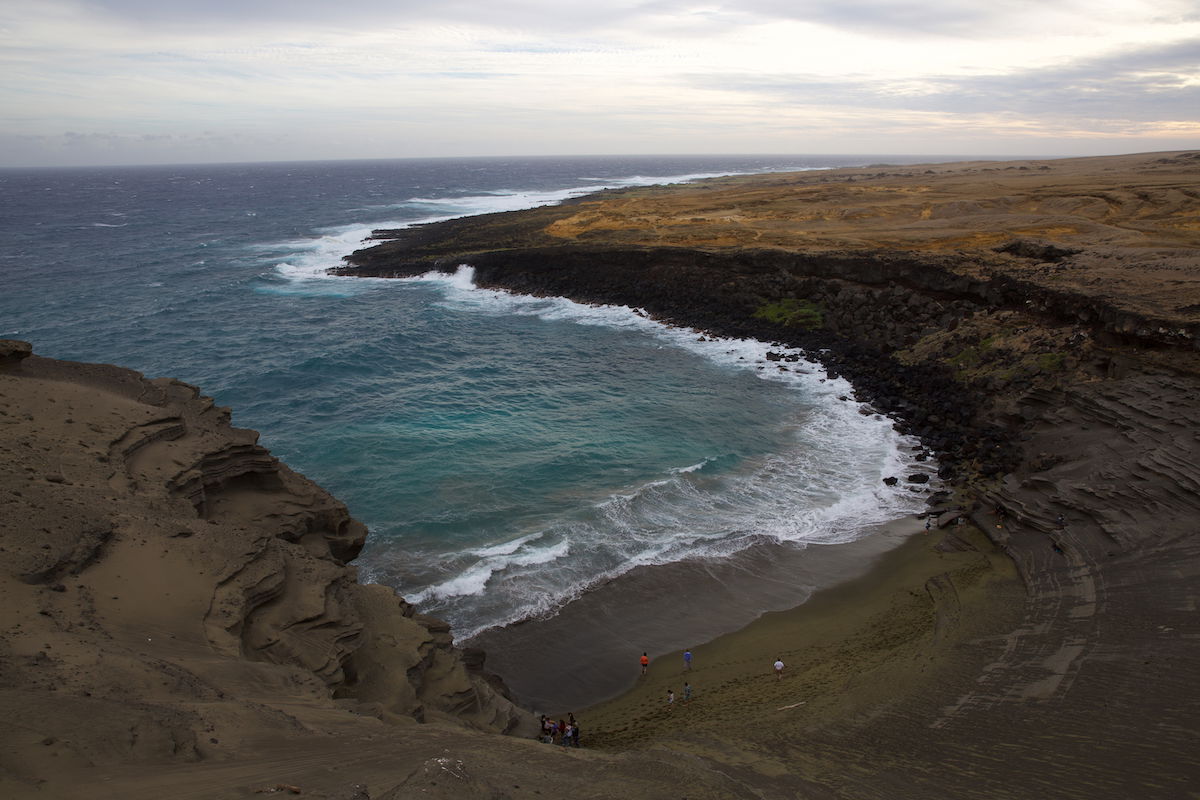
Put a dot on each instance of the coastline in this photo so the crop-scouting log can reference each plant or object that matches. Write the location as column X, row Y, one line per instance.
column 587, row 652
column 1044, row 345
column 181, row 619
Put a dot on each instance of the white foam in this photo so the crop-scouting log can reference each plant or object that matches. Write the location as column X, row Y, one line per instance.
column 474, row 579
column 824, row 487
column 309, row 260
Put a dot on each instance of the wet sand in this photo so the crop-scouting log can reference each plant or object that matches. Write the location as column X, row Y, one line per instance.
column 589, row 651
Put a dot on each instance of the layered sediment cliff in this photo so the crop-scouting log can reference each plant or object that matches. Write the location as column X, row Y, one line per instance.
column 171, row 590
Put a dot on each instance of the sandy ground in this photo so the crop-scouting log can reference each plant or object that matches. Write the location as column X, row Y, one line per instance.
column 879, row 635
column 589, row 651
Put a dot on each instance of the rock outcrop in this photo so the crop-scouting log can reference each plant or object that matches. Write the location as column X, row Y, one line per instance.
column 165, row 574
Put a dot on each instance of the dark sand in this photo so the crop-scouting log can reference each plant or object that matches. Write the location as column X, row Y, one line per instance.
column 589, row 651
column 885, row 633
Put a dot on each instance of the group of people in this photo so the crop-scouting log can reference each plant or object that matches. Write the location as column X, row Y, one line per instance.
column 687, row 695
column 564, row 732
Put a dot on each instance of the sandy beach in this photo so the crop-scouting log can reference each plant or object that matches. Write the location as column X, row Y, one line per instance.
column 891, row 632
column 589, row 651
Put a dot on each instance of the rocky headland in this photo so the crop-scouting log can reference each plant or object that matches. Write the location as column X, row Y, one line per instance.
column 1037, row 324
column 181, row 616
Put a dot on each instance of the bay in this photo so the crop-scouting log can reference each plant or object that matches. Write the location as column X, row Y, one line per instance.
column 507, row 453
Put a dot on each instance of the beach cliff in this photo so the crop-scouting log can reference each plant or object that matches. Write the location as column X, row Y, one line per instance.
column 181, row 617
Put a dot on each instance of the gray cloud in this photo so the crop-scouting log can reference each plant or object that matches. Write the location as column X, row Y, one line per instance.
column 1141, row 85
column 910, row 17
column 357, row 14
column 907, row 17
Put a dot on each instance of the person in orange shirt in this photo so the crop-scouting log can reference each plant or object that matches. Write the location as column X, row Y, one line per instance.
column 645, row 662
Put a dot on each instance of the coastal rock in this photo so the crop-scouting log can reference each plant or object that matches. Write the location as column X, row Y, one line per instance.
column 165, row 575
column 12, row 351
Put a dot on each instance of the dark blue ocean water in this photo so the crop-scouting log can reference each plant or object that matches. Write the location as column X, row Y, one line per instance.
column 507, row 452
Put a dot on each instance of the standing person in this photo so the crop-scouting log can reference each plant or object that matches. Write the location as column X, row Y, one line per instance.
column 778, row 668
column 687, row 659
column 670, row 699
column 645, row 661
column 687, row 691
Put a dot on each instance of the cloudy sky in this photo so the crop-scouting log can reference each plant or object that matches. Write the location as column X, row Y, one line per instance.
column 168, row 81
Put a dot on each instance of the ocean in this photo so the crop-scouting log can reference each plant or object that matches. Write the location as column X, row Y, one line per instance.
column 508, row 453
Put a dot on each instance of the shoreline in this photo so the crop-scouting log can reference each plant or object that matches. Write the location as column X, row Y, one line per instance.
column 587, row 652
column 906, row 623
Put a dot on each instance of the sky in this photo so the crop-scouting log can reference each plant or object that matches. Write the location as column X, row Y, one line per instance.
column 106, row 82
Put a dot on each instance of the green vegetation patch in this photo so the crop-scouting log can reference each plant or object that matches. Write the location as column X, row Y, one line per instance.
column 792, row 312
column 1051, row 362
column 967, row 357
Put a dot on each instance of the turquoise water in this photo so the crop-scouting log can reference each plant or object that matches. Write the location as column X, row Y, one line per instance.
column 507, row 452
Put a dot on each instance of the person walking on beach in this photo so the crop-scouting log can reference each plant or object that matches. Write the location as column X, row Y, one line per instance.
column 670, row 699
column 687, row 660
column 645, row 660
column 778, row 668
column 574, row 733
column 687, row 692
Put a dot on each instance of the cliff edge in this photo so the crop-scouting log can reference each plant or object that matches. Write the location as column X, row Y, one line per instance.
column 171, row 591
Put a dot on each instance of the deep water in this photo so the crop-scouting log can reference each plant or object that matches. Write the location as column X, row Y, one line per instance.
column 507, row 452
